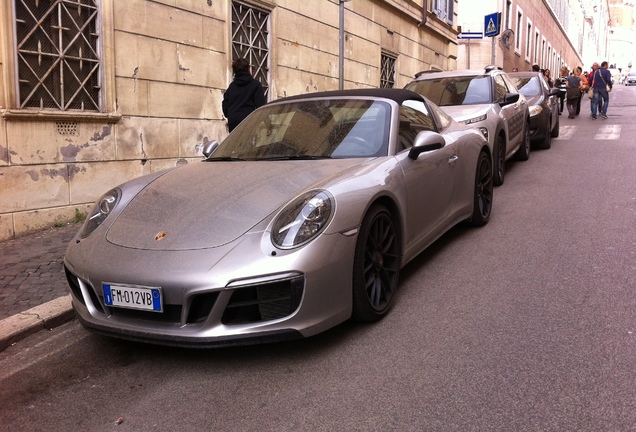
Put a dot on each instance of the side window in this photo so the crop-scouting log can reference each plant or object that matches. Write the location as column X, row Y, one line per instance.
column 512, row 88
column 387, row 70
column 414, row 118
column 58, row 49
column 250, row 40
column 500, row 87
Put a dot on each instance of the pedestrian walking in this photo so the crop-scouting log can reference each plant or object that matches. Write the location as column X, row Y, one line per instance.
column 585, row 85
column 573, row 91
column 589, row 80
column 561, row 84
column 243, row 96
column 601, row 85
column 546, row 74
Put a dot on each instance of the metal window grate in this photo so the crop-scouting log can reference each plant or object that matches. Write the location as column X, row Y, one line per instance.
column 57, row 53
column 250, row 40
column 387, row 71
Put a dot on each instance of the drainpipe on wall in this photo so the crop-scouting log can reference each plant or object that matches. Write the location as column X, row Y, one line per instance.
column 341, row 48
column 424, row 14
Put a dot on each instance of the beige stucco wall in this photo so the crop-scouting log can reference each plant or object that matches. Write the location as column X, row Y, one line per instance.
column 166, row 65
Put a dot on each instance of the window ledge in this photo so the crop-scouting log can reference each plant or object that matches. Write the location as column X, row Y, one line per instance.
column 28, row 115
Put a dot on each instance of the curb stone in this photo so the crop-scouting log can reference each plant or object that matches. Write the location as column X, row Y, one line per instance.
column 46, row 316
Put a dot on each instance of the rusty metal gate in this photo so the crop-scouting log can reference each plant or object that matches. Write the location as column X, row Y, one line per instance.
column 57, row 56
column 250, row 40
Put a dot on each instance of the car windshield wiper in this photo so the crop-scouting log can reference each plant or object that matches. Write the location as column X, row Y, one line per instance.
column 224, row 159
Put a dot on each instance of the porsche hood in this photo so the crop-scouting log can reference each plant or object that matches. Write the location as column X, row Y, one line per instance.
column 206, row 205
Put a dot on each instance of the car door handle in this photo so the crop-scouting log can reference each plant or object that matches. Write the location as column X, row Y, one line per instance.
column 452, row 159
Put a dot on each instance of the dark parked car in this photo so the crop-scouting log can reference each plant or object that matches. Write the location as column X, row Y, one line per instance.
column 543, row 105
column 299, row 220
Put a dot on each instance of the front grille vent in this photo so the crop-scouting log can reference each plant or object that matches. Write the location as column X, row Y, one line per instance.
column 265, row 302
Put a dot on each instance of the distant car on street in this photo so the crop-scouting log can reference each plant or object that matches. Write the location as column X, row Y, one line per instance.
column 630, row 79
column 543, row 106
column 487, row 100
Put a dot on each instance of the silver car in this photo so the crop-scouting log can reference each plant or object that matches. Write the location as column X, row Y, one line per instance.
column 486, row 99
column 630, row 79
column 299, row 220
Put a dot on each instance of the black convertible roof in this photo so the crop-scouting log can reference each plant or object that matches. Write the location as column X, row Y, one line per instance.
column 398, row 95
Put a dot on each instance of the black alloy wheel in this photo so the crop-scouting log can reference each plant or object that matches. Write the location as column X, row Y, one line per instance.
column 499, row 160
column 555, row 130
column 376, row 265
column 547, row 142
column 523, row 153
column 482, row 205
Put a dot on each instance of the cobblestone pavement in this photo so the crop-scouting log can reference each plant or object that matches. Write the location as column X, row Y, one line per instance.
column 31, row 271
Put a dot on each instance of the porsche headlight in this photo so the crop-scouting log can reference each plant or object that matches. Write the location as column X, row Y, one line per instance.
column 302, row 220
column 103, row 207
column 535, row 110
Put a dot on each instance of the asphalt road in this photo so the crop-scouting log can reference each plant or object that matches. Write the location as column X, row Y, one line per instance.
column 526, row 324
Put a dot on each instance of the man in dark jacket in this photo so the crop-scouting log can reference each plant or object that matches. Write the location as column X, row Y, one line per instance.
column 243, row 96
column 600, row 79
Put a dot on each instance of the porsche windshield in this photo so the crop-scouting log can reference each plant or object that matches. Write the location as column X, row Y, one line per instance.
column 325, row 128
column 455, row 90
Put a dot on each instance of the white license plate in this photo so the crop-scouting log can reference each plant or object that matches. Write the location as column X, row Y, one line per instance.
column 133, row 297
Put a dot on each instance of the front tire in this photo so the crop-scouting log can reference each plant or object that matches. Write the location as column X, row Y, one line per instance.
column 376, row 265
column 482, row 204
column 547, row 141
column 523, row 154
column 499, row 161
column 555, row 131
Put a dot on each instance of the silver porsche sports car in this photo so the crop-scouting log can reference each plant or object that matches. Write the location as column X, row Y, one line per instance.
column 299, row 220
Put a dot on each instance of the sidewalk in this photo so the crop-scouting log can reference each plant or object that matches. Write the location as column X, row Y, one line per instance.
column 33, row 289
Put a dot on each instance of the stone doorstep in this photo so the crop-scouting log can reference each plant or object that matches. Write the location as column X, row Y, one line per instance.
column 46, row 316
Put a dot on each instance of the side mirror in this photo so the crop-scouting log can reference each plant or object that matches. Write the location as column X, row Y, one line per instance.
column 554, row 91
column 209, row 147
column 509, row 98
column 426, row 141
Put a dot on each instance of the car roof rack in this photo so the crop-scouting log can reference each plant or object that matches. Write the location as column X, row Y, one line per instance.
column 420, row 73
column 490, row 68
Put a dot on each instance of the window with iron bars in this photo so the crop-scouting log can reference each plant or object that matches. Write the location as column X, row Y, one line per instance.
column 250, row 40
column 387, row 71
column 58, row 54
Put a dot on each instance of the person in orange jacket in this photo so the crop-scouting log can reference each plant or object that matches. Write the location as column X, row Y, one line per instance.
column 585, row 85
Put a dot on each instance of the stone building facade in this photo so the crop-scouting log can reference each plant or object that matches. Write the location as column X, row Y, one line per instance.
column 97, row 92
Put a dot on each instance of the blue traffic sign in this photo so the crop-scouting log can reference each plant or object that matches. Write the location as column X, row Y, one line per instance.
column 492, row 24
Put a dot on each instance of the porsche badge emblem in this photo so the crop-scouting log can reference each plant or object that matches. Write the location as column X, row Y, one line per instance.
column 160, row 235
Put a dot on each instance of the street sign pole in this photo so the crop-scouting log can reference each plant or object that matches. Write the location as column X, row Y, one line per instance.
column 468, row 35
column 492, row 29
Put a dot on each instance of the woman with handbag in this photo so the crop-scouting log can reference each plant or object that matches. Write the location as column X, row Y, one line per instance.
column 573, row 92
